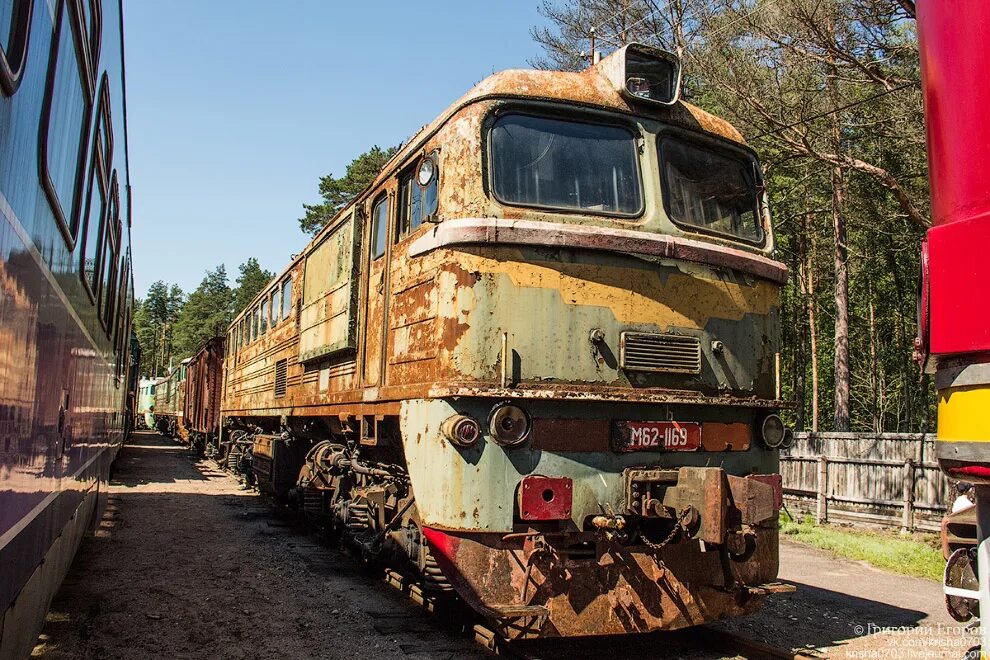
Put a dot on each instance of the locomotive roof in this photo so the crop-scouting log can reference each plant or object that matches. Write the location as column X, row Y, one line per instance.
column 590, row 88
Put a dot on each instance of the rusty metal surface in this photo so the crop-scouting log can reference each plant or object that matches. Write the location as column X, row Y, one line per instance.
column 614, row 590
column 719, row 436
column 430, row 324
column 706, row 490
column 551, row 434
column 201, row 410
column 468, row 231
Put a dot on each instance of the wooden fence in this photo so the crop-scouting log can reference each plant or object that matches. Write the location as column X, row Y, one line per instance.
column 883, row 478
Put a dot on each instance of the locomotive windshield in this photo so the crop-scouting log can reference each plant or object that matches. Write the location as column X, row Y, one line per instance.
column 537, row 161
column 710, row 190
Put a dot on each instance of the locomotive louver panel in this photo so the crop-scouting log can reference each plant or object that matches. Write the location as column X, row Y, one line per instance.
column 643, row 351
column 281, row 369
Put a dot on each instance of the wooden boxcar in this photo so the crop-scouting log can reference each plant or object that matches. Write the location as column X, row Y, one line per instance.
column 534, row 361
column 201, row 407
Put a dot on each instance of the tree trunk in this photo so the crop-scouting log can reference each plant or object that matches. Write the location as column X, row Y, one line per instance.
column 808, row 286
column 841, row 422
column 876, row 395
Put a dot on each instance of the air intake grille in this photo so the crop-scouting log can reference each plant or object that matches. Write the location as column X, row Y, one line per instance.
column 281, row 368
column 643, row 351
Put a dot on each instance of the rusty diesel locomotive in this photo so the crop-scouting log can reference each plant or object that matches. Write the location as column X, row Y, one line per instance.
column 534, row 361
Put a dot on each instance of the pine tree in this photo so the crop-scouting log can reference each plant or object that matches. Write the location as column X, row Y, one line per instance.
column 205, row 314
column 250, row 282
column 338, row 192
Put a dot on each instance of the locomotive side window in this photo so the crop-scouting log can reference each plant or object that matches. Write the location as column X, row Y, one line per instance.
column 711, row 190
column 416, row 202
column 274, row 306
column 560, row 164
column 379, row 227
column 15, row 22
column 286, row 298
column 65, row 120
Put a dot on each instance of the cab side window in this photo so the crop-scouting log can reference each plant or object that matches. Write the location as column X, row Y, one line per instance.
column 275, row 306
column 417, row 201
column 379, row 227
column 286, row 298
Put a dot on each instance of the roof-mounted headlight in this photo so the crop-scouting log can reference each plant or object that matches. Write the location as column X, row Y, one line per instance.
column 644, row 73
column 427, row 170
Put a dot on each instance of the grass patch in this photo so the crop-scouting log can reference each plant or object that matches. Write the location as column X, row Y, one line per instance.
column 886, row 550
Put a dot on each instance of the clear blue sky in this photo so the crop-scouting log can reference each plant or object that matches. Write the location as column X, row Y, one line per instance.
column 237, row 107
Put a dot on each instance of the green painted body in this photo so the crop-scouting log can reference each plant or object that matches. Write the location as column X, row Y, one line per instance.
column 475, row 489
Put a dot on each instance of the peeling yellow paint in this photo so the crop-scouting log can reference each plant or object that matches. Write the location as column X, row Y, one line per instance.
column 688, row 298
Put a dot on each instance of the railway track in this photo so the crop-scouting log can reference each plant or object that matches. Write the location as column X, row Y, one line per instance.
column 447, row 616
column 699, row 642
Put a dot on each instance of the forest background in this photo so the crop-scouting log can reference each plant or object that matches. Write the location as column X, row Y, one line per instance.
column 828, row 94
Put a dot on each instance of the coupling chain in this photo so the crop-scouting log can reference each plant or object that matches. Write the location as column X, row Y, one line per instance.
column 656, row 547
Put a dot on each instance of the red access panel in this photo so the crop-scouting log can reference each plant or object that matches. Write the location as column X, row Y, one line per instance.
column 959, row 281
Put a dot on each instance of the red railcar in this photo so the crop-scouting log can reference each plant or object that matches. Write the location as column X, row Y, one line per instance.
column 954, row 318
column 201, row 408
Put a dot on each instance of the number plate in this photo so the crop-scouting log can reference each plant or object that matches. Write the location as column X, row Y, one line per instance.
column 657, row 436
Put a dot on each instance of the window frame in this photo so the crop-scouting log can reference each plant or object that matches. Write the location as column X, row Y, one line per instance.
column 408, row 179
column 100, row 170
column 12, row 63
column 577, row 117
column 287, row 299
column 264, row 317
column 383, row 198
column 727, row 150
column 275, row 310
column 67, row 221
column 110, row 243
column 99, row 185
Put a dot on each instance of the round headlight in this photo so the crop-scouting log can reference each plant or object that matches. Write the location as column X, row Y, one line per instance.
column 773, row 431
column 508, row 424
column 461, row 430
column 427, row 170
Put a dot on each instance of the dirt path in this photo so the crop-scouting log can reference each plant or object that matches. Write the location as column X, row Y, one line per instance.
column 187, row 564
column 848, row 609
